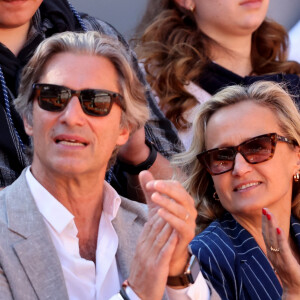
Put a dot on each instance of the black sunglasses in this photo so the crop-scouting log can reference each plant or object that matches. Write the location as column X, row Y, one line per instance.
column 255, row 150
column 94, row 102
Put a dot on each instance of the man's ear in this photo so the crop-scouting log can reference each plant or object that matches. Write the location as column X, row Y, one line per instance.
column 123, row 136
column 187, row 4
column 28, row 126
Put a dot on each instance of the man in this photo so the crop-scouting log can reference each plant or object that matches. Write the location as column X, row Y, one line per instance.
column 65, row 232
column 23, row 25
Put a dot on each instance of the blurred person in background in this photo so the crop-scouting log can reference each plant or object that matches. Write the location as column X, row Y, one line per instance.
column 191, row 49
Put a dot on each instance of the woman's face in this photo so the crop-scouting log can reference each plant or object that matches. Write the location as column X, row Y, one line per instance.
column 246, row 189
column 229, row 17
column 17, row 13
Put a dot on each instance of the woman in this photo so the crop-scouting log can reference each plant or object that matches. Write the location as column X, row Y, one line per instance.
column 244, row 158
column 193, row 48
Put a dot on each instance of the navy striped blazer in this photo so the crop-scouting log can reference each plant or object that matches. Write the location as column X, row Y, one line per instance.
column 233, row 262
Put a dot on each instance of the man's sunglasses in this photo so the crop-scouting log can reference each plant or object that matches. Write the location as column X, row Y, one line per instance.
column 255, row 150
column 94, row 102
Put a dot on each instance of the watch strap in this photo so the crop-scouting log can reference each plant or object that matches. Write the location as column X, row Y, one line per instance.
column 180, row 280
column 145, row 165
column 186, row 278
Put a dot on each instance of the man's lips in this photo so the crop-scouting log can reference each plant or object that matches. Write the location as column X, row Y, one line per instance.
column 250, row 1
column 14, row 1
column 246, row 185
column 70, row 140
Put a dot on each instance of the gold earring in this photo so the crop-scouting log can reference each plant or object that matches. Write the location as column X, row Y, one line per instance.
column 297, row 177
column 216, row 196
column 192, row 7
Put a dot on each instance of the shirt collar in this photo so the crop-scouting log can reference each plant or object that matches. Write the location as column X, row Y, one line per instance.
column 56, row 214
column 111, row 201
column 51, row 209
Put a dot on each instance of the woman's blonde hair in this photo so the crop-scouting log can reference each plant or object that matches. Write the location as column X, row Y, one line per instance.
column 199, row 182
column 175, row 52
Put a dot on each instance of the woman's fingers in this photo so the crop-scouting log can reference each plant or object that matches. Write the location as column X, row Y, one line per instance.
column 280, row 254
column 171, row 188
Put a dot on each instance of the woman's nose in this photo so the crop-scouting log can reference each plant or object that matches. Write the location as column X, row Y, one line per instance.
column 241, row 166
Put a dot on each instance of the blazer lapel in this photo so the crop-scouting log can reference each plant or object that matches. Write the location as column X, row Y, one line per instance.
column 35, row 250
column 128, row 224
column 255, row 268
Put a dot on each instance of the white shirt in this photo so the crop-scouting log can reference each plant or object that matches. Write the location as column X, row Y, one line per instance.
column 83, row 279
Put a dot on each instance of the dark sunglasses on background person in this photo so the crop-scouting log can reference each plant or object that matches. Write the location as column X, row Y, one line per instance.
column 94, row 102
column 255, row 150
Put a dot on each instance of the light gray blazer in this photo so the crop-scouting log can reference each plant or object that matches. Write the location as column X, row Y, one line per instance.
column 29, row 266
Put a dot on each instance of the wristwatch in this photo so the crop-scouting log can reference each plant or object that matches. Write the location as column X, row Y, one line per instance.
column 145, row 165
column 189, row 275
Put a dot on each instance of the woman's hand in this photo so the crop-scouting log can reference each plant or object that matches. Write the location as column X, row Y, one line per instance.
column 175, row 206
column 281, row 256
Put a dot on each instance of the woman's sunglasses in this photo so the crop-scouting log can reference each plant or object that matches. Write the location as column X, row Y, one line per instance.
column 255, row 150
column 94, row 102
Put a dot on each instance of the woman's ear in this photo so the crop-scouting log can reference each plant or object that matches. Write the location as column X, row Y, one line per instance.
column 297, row 165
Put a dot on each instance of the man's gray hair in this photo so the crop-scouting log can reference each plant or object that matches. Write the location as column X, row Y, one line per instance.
column 92, row 43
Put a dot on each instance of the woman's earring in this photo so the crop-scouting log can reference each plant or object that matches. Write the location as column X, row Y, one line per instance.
column 297, row 177
column 216, row 196
column 192, row 8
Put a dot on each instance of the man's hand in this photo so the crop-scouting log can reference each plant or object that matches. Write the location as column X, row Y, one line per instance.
column 150, row 267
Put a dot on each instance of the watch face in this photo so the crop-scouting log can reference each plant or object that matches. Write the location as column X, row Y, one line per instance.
column 193, row 269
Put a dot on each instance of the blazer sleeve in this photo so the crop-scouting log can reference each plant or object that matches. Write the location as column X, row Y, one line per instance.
column 218, row 263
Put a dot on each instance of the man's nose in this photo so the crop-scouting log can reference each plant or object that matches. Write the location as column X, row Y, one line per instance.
column 73, row 113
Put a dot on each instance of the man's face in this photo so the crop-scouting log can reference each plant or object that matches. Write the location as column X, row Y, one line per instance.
column 16, row 13
column 70, row 142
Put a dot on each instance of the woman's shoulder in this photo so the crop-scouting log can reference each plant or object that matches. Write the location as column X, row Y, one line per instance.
column 216, row 238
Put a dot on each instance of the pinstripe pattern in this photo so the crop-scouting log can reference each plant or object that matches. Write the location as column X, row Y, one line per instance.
column 233, row 262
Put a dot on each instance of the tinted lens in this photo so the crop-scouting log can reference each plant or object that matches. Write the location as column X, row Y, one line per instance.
column 53, row 98
column 96, row 103
column 257, row 150
column 220, row 160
